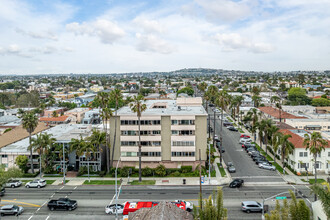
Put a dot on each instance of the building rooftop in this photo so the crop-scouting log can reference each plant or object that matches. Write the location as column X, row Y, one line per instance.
column 78, row 110
column 62, row 133
column 297, row 137
column 166, row 107
column 278, row 113
column 52, row 119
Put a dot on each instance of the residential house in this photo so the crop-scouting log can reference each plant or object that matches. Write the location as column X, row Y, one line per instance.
column 275, row 114
column 77, row 114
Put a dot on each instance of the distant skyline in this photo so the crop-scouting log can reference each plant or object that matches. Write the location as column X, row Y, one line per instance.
column 116, row 36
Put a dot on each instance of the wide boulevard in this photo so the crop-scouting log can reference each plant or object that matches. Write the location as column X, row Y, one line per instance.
column 93, row 199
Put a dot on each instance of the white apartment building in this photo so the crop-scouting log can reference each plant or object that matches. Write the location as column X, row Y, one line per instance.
column 302, row 158
column 299, row 109
column 172, row 132
column 310, row 124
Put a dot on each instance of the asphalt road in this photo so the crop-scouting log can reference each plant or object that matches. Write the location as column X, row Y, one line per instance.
column 93, row 199
column 245, row 166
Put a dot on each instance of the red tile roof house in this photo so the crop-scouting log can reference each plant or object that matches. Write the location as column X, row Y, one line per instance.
column 300, row 158
column 64, row 119
column 276, row 114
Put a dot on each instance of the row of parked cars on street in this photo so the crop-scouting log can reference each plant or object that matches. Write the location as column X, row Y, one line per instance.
column 256, row 156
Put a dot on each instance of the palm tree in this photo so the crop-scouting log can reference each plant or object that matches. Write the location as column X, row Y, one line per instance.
column 138, row 107
column 254, row 114
column 287, row 148
column 256, row 100
column 261, row 125
column 315, row 144
column 41, row 144
column 275, row 136
column 222, row 101
column 97, row 138
column 268, row 124
column 202, row 86
column 30, row 122
column 239, row 99
column 117, row 96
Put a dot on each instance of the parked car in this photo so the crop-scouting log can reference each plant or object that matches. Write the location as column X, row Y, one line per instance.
column 245, row 141
column 236, row 183
column 111, row 209
column 62, row 203
column 251, row 206
column 232, row 128
column 13, row 183
column 231, row 168
column 261, row 160
column 253, row 152
column 211, row 105
column 257, row 157
column 216, row 110
column 227, row 124
column 189, row 205
column 245, row 136
column 36, row 183
column 11, row 210
column 2, row 191
column 216, row 137
column 267, row 166
column 247, row 145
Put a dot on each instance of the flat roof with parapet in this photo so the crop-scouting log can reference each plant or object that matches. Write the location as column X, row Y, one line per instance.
column 171, row 108
column 62, row 133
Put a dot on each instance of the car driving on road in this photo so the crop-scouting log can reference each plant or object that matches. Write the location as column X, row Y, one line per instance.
column 13, row 183
column 11, row 210
column 37, row 183
column 231, row 167
column 232, row 128
column 62, row 203
column 251, row 206
column 236, row 183
column 111, row 209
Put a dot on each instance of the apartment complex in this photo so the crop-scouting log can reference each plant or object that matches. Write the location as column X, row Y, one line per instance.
column 172, row 133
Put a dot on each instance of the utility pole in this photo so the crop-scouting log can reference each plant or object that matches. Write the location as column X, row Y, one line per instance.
column 209, row 163
column 209, row 120
column 63, row 165
column 200, row 179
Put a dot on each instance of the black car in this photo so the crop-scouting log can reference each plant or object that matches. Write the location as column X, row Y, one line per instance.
column 261, row 160
column 248, row 145
column 2, row 191
column 211, row 105
column 227, row 124
column 258, row 157
column 62, row 204
column 232, row 128
column 236, row 183
column 250, row 149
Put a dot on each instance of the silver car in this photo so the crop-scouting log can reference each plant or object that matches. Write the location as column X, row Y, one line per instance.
column 13, row 183
column 251, row 206
column 267, row 166
column 11, row 210
column 36, row 183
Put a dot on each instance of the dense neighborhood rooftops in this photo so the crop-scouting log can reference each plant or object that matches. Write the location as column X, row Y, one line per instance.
column 297, row 137
column 55, row 119
column 276, row 113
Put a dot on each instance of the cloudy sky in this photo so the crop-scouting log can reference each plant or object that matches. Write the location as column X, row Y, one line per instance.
column 111, row 36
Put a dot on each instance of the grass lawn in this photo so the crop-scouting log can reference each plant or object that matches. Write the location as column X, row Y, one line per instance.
column 312, row 181
column 50, row 182
column 143, row 182
column 240, row 131
column 101, row 182
column 229, row 119
column 222, row 170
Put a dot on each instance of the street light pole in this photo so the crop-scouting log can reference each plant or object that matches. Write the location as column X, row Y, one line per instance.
column 209, row 163
column 264, row 200
column 63, row 165
column 116, row 188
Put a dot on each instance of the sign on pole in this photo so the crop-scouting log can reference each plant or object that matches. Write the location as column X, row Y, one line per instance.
column 283, row 197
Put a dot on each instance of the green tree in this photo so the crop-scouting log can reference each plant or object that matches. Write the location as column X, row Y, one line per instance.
column 138, row 107
column 315, row 144
column 321, row 102
column 160, row 170
column 254, row 116
column 187, row 90
column 297, row 96
column 202, row 86
column 97, row 139
column 42, row 144
column 21, row 161
column 286, row 147
column 256, row 101
column 212, row 208
column 30, row 122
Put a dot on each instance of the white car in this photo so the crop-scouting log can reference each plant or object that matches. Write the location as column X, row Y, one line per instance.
column 216, row 110
column 111, row 209
column 38, row 183
column 216, row 137
column 267, row 166
column 13, row 183
column 245, row 141
column 189, row 205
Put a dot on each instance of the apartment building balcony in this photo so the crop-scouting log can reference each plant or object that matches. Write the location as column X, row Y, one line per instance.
column 183, row 158
column 143, row 148
column 183, row 149
column 142, row 127
column 183, row 127
column 144, row 159
column 183, row 138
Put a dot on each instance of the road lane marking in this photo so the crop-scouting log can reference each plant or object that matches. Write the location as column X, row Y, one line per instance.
column 62, row 187
column 114, row 196
column 24, row 203
column 47, row 217
column 30, row 217
column 75, row 187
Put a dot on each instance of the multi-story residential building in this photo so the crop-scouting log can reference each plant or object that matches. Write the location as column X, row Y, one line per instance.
column 77, row 114
column 299, row 109
column 48, row 112
column 276, row 114
column 301, row 158
column 310, row 124
column 63, row 135
column 172, row 133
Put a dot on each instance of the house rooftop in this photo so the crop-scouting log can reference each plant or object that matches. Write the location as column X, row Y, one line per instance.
column 276, row 113
column 297, row 137
column 52, row 119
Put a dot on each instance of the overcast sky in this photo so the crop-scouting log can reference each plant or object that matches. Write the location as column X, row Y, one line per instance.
column 110, row 36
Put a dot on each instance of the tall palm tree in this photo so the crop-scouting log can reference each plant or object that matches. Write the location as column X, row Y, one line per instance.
column 286, row 147
column 41, row 144
column 222, row 101
column 239, row 101
column 97, row 138
column 261, row 125
column 323, row 191
column 138, row 107
column 30, row 122
column 117, row 96
column 268, row 124
column 315, row 144
column 254, row 114
column 275, row 136
column 256, row 100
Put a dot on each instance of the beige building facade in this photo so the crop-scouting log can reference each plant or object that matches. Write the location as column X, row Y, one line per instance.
column 170, row 134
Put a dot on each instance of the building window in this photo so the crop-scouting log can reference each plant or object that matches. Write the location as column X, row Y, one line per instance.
column 183, row 154
column 4, row 156
column 302, row 154
column 329, row 154
column 303, row 165
column 183, row 143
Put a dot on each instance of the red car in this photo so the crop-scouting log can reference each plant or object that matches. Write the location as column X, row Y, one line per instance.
column 245, row 136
